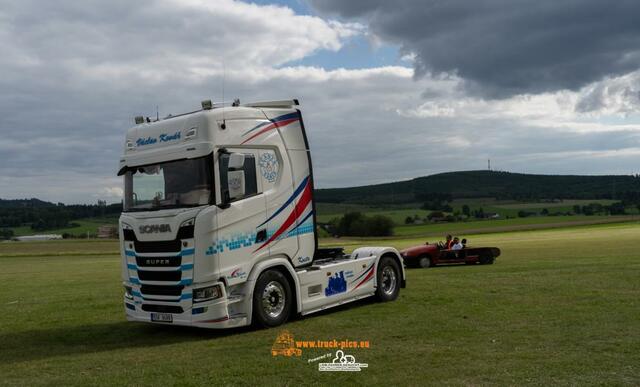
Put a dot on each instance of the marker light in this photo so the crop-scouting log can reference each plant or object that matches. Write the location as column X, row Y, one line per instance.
column 207, row 104
column 191, row 133
column 189, row 222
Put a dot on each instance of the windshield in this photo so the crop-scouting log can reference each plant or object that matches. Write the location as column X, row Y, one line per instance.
column 173, row 184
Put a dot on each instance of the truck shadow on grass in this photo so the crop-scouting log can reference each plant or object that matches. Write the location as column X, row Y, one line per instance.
column 85, row 339
column 39, row 344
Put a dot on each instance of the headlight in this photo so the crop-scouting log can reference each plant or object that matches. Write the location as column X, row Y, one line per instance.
column 126, row 226
column 206, row 294
column 127, row 292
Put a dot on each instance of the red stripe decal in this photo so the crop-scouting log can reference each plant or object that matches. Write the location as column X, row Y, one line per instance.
column 271, row 127
column 305, row 199
column 367, row 278
column 225, row 318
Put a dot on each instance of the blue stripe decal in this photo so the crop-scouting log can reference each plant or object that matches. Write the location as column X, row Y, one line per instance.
column 187, row 266
column 186, row 282
column 287, row 116
column 186, row 296
column 134, row 281
column 132, row 266
column 187, row 252
column 256, row 127
column 130, row 253
column 136, row 294
column 295, row 194
column 273, row 120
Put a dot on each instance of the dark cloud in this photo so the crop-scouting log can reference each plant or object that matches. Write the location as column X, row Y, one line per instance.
column 507, row 47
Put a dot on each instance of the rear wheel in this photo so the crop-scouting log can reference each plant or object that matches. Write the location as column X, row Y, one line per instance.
column 388, row 279
column 487, row 260
column 272, row 299
column 424, row 262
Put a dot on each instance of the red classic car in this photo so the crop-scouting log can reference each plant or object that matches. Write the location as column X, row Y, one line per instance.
column 431, row 254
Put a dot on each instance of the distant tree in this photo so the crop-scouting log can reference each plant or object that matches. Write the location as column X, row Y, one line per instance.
column 379, row 225
column 358, row 224
column 466, row 210
column 616, row 208
column 436, row 215
column 544, row 211
column 577, row 209
column 409, row 220
column 6, row 233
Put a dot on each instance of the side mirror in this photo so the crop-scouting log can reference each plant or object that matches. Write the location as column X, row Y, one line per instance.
column 235, row 188
column 236, row 161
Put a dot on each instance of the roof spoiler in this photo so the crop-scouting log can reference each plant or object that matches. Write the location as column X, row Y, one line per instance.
column 285, row 103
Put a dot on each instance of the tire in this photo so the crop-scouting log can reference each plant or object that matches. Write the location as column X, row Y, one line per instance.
column 424, row 262
column 272, row 299
column 389, row 278
column 487, row 260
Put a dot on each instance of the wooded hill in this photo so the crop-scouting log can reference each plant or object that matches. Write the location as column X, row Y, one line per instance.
column 499, row 185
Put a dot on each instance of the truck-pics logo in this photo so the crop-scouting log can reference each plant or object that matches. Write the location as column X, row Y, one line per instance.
column 154, row 228
column 285, row 346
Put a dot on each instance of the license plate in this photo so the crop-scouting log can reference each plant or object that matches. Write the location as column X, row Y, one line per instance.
column 162, row 317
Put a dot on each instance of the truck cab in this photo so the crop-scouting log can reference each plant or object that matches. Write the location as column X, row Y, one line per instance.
column 218, row 224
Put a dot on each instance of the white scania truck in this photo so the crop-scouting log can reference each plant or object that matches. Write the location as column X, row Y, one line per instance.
column 218, row 226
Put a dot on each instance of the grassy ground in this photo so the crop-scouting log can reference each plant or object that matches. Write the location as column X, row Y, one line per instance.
column 559, row 307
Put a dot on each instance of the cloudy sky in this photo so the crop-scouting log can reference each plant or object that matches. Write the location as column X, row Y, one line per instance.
column 390, row 90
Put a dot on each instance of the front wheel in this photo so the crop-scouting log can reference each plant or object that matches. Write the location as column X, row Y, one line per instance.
column 424, row 262
column 272, row 299
column 388, row 279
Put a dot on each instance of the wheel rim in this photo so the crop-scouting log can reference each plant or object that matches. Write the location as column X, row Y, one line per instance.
column 424, row 262
column 389, row 281
column 273, row 299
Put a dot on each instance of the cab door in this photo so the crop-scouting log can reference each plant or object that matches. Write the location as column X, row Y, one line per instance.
column 242, row 207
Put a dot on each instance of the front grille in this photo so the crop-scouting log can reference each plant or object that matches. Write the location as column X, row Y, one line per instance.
column 158, row 261
column 162, row 308
column 162, row 290
column 158, row 246
column 173, row 246
column 146, row 267
column 145, row 275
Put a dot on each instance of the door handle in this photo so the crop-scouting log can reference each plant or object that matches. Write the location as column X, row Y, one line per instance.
column 261, row 236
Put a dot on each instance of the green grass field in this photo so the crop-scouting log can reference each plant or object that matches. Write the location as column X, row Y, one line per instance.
column 559, row 307
column 89, row 225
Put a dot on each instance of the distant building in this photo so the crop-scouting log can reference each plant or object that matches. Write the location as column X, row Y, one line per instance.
column 107, row 232
column 44, row 237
